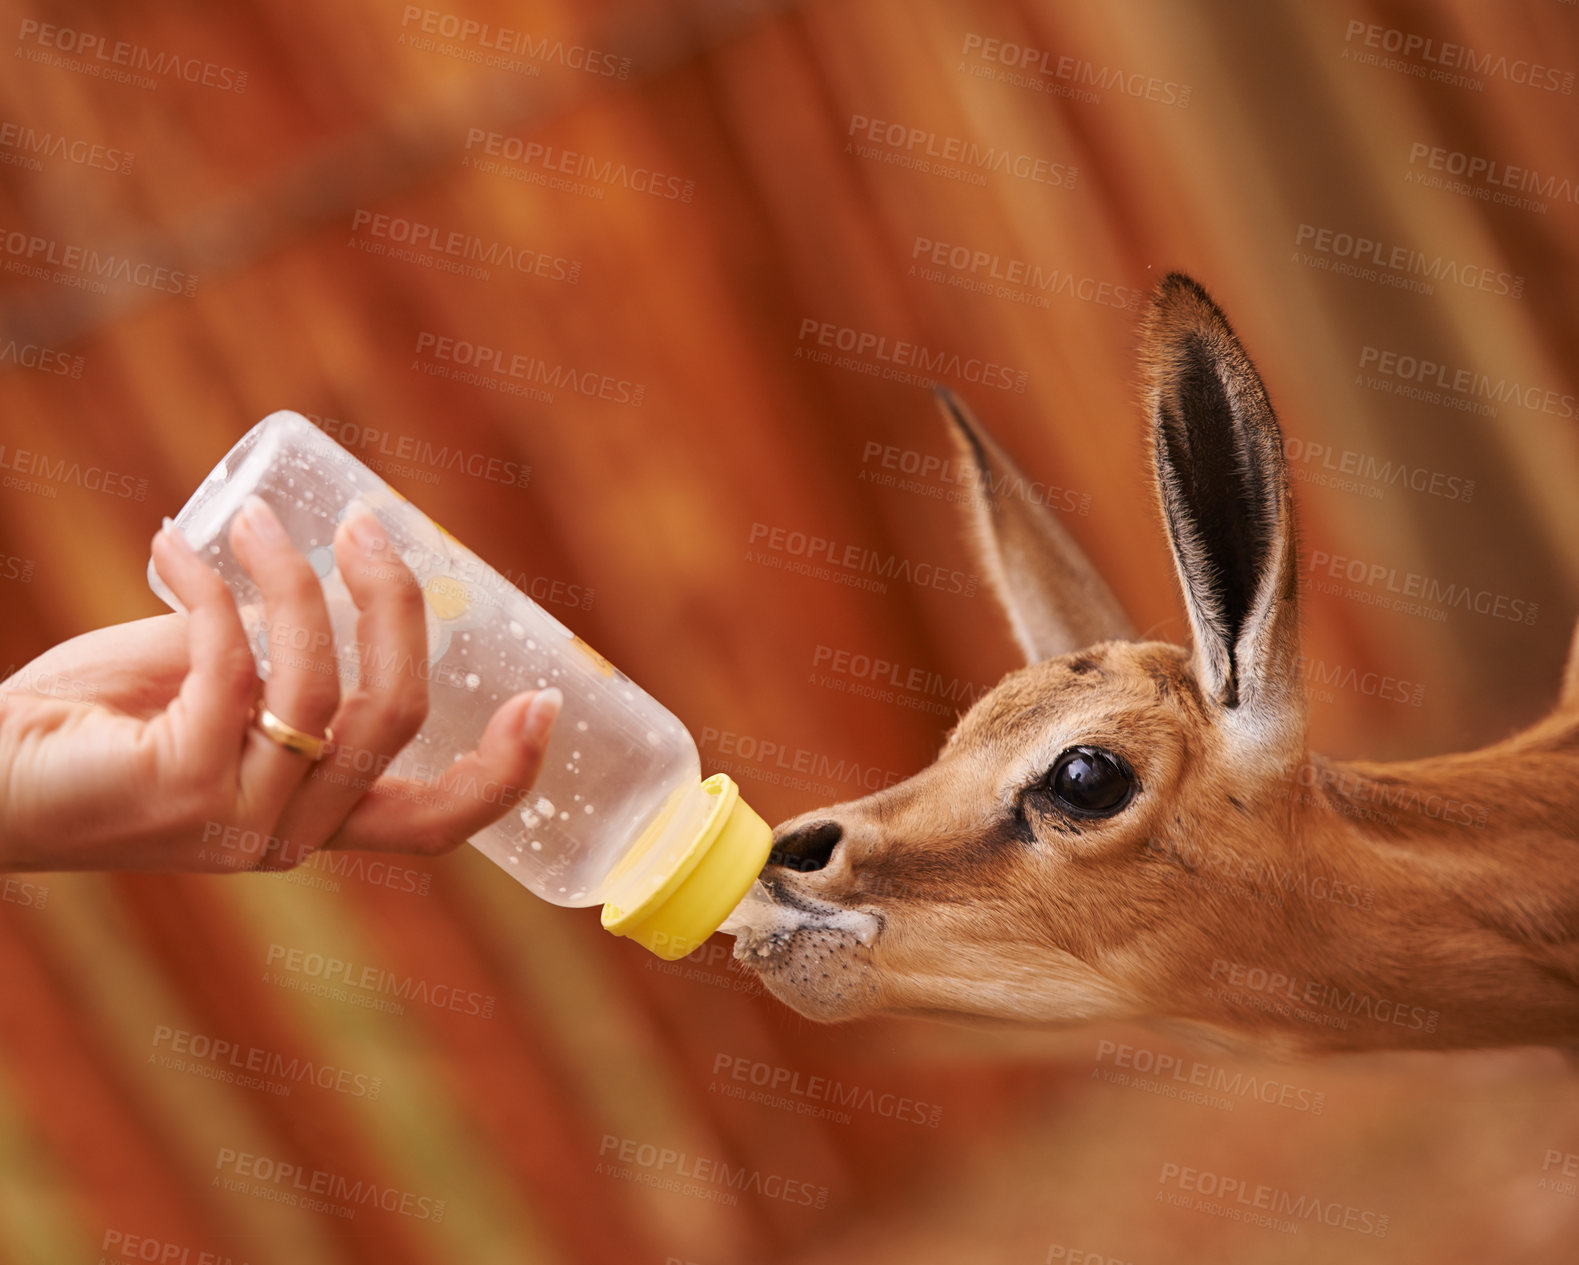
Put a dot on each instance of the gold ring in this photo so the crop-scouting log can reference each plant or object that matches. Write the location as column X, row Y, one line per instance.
column 291, row 738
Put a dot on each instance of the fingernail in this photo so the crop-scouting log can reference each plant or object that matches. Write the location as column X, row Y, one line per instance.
column 365, row 529
column 174, row 534
column 542, row 711
column 260, row 518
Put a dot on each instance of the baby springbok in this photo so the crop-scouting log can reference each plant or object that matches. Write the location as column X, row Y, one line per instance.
column 1130, row 830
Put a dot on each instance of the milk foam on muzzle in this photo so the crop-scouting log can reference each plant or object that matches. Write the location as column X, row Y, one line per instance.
column 763, row 925
column 619, row 814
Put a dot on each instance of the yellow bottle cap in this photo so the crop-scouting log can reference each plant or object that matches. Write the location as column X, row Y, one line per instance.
column 708, row 880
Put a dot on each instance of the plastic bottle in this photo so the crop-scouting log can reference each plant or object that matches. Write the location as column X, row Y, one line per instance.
column 619, row 814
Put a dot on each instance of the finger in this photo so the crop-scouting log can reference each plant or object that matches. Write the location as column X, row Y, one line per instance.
column 387, row 706
column 475, row 791
column 136, row 667
column 150, row 661
column 303, row 688
column 210, row 711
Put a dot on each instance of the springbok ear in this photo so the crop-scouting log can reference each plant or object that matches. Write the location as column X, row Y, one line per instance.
column 1055, row 600
column 1225, row 496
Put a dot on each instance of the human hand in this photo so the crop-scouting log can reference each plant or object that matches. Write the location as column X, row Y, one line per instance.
column 132, row 747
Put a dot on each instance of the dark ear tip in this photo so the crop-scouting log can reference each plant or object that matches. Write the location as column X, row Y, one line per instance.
column 949, row 405
column 1181, row 295
column 961, row 423
column 1185, row 323
column 969, row 438
column 1176, row 281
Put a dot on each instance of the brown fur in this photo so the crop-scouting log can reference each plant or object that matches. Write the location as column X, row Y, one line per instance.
column 1249, row 891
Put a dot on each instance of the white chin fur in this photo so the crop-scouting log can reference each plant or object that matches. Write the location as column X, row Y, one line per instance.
column 771, row 926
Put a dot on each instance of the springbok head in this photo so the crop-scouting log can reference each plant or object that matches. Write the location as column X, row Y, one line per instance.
column 1049, row 864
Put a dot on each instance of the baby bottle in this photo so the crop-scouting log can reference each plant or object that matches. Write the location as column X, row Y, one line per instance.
column 619, row 815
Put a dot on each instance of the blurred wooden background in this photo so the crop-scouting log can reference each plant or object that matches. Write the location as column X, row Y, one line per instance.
column 263, row 223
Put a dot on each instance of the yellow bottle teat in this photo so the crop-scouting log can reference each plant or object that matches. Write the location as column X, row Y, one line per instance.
column 709, row 877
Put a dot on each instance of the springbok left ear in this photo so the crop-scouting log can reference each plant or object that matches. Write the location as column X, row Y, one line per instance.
column 1225, row 497
column 1055, row 599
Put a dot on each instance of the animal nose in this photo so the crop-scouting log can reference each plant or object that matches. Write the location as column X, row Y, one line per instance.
column 806, row 847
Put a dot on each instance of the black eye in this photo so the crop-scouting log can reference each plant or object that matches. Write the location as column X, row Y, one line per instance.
column 1091, row 782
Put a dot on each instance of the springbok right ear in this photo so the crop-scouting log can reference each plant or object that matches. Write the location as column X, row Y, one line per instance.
column 1055, row 600
column 1225, row 497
